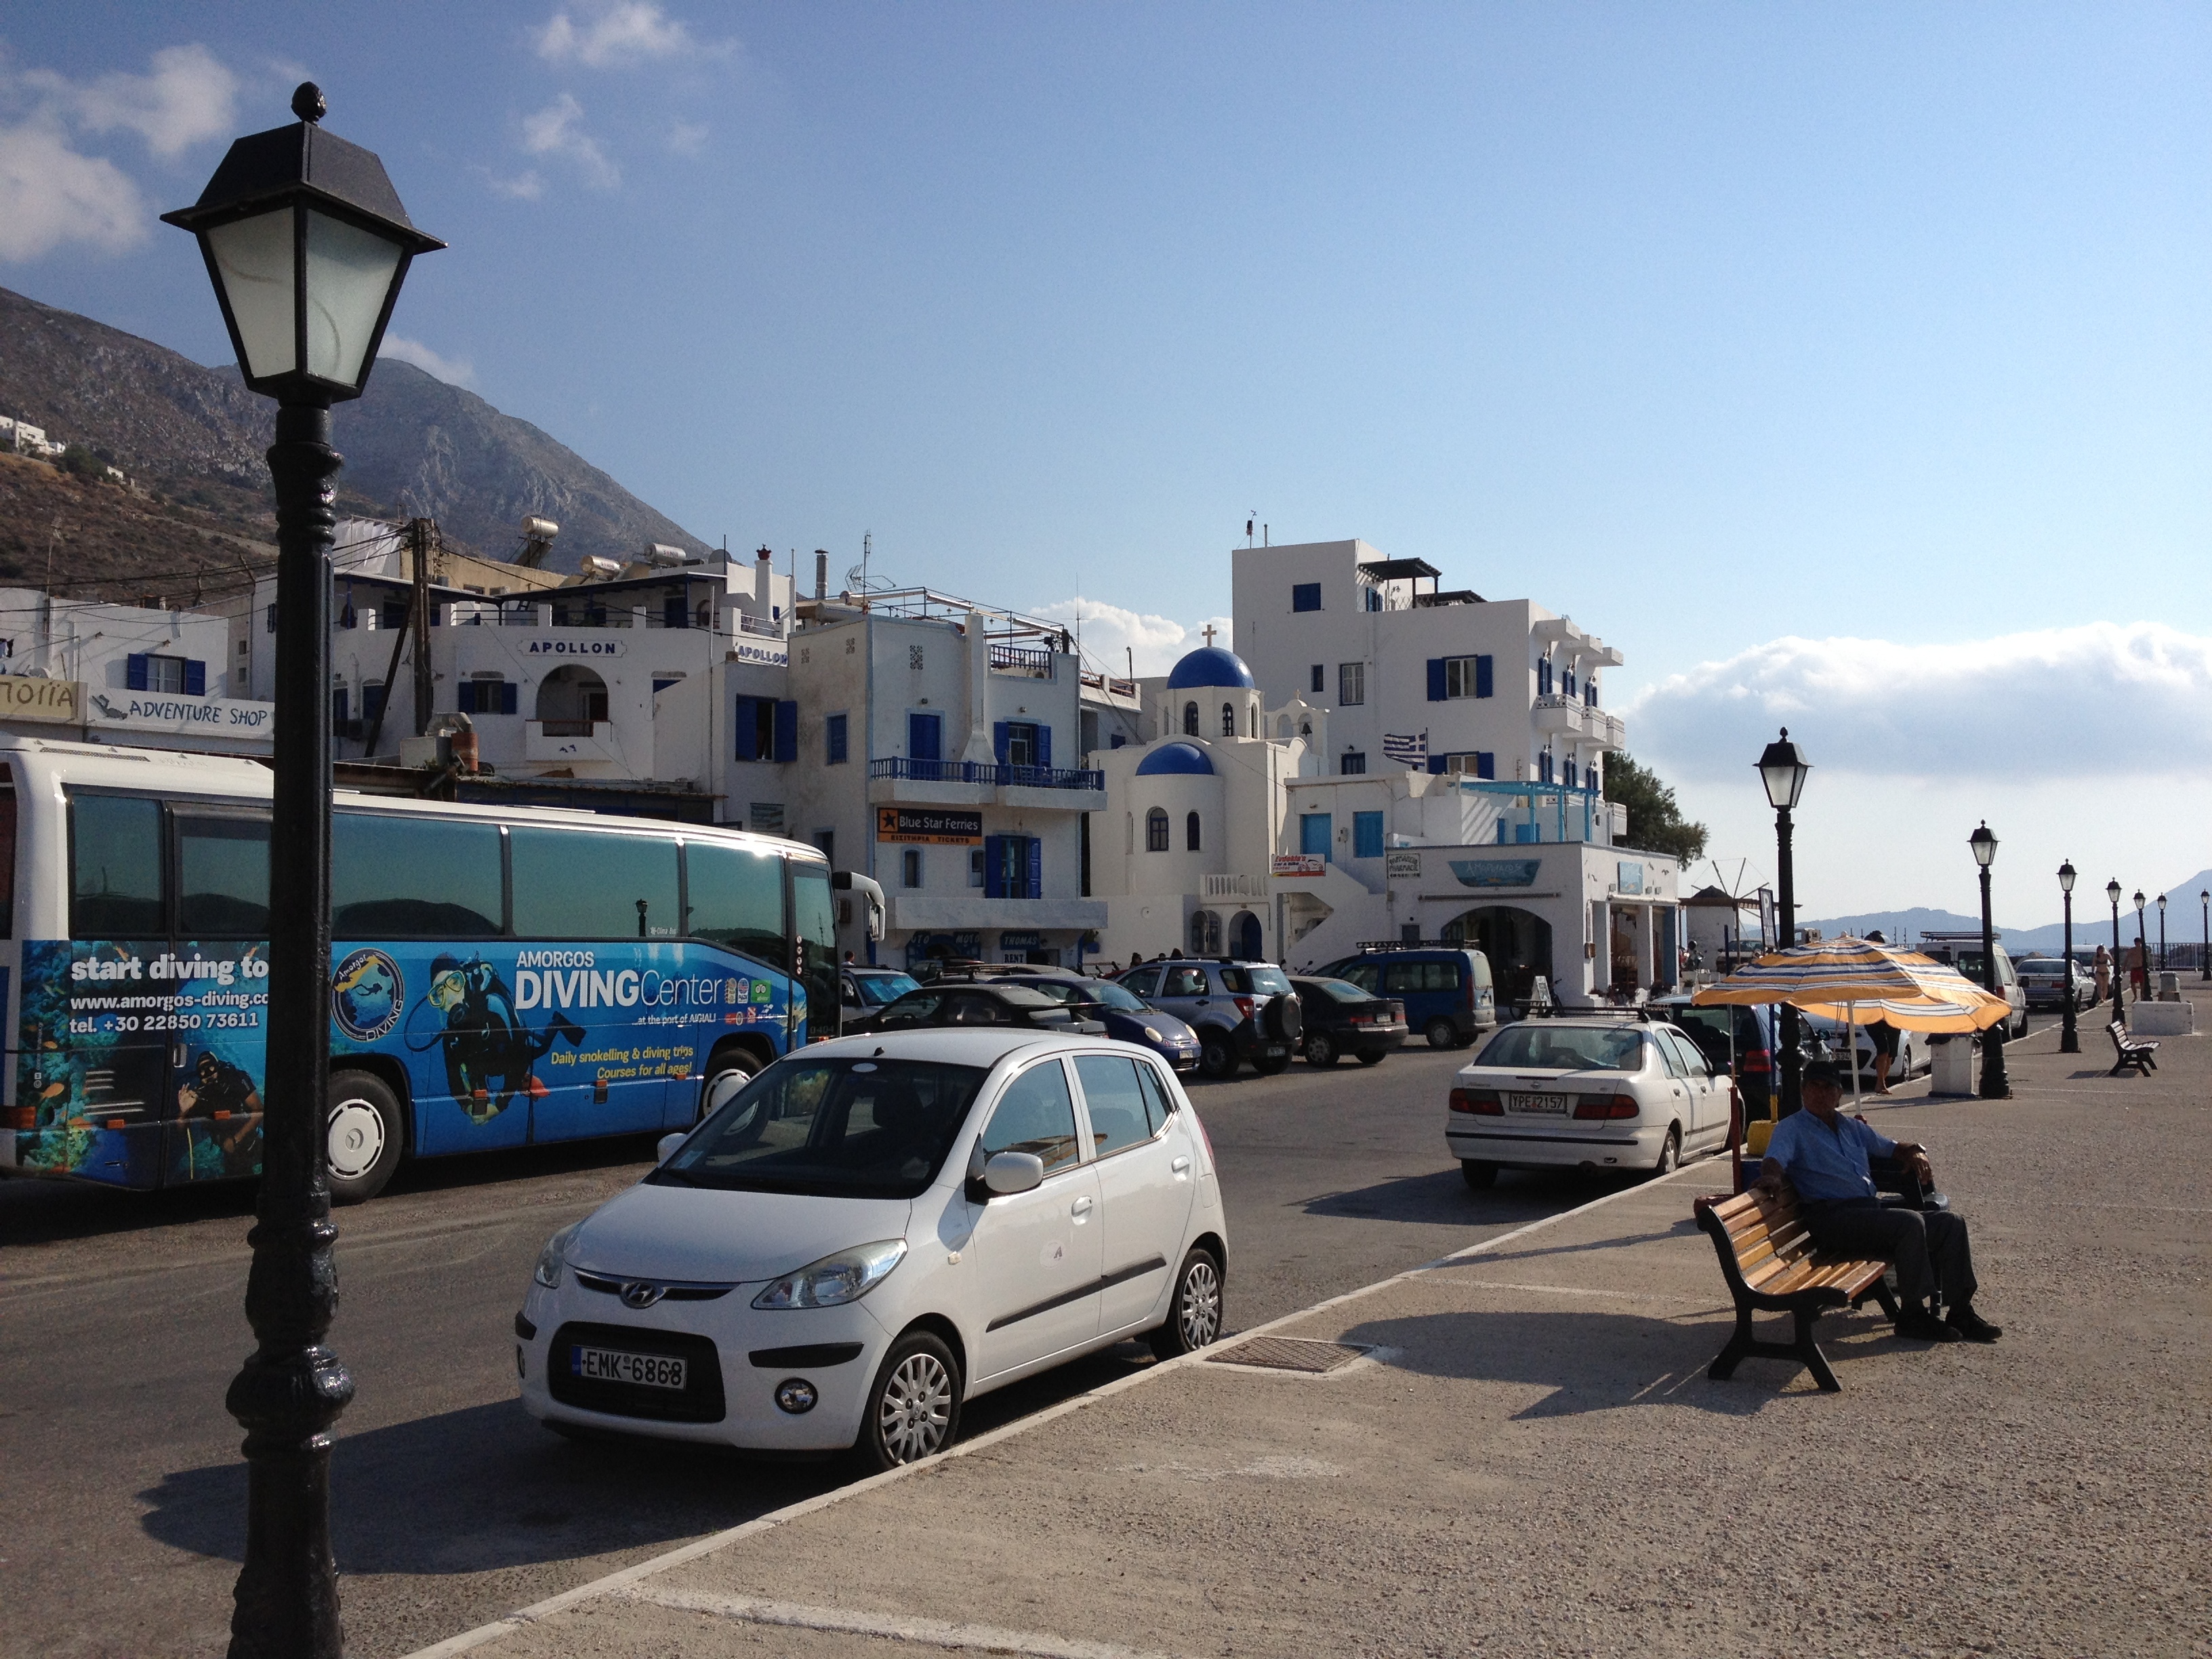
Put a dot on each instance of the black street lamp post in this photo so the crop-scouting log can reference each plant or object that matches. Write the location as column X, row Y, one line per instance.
column 1995, row 1085
column 2069, row 1039
column 1782, row 769
column 2161, row 932
column 2143, row 947
column 2119, row 967
column 2204, row 898
column 306, row 245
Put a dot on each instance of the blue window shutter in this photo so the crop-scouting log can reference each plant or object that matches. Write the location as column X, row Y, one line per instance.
column 746, row 725
column 924, row 734
column 1437, row 763
column 340, row 699
column 269, row 620
column 994, row 867
column 1485, row 764
column 1436, row 680
column 465, row 696
column 672, row 613
column 134, row 670
column 195, row 678
column 787, row 731
column 1117, row 740
column 1482, row 677
column 1035, row 873
column 1305, row 596
column 1001, row 739
column 1044, row 745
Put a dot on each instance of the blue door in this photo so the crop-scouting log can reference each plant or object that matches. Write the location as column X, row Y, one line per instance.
column 1315, row 830
column 925, row 736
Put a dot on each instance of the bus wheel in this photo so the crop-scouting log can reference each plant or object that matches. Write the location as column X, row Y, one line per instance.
column 364, row 1137
column 727, row 1072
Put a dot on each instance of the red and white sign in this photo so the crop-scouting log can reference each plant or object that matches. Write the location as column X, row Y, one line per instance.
column 1296, row 864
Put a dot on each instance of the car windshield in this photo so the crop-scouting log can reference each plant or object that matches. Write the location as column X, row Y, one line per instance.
column 1095, row 991
column 1266, row 982
column 831, row 1128
column 1565, row 1048
column 878, row 990
column 1696, row 1020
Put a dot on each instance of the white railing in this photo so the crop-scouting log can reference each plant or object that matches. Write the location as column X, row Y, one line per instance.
column 1223, row 887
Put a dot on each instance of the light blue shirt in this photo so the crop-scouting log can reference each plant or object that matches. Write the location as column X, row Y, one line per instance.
column 1825, row 1161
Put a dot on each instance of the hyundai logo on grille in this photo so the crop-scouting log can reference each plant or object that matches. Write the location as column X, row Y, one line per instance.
column 641, row 1293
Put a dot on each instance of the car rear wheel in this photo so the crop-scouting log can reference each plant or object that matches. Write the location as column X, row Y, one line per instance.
column 1195, row 1310
column 1321, row 1048
column 1442, row 1033
column 1670, row 1153
column 1374, row 1057
column 1216, row 1059
column 913, row 1407
column 1479, row 1176
column 363, row 1145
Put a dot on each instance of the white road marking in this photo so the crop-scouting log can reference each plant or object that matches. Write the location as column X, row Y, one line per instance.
column 930, row 1632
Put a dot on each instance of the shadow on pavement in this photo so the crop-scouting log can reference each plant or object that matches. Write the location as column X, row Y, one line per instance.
column 1594, row 1362
column 1442, row 1198
column 487, row 1487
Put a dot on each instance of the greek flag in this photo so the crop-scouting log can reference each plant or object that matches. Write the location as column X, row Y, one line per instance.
column 1407, row 749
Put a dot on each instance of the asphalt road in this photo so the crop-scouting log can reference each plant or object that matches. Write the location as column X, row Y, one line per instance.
column 121, row 1325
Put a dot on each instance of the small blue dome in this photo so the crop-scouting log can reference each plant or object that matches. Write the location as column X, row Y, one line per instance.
column 1175, row 757
column 1210, row 665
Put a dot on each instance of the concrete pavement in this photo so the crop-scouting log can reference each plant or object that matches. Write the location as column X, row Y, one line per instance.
column 1531, row 1459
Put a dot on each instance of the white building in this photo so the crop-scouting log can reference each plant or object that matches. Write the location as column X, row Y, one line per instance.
column 124, row 673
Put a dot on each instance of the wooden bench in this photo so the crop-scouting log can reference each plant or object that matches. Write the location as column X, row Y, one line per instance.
column 1770, row 1266
column 2128, row 1051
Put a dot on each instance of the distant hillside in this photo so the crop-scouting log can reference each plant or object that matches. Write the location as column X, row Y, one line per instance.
column 193, row 437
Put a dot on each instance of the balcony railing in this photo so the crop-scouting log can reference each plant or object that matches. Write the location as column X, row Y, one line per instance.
column 749, row 623
column 1227, row 887
column 1021, row 660
column 1098, row 682
column 987, row 773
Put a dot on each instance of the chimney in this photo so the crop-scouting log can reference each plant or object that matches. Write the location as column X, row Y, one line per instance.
column 821, row 572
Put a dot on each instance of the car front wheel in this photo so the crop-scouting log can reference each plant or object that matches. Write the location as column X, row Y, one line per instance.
column 1195, row 1310
column 1216, row 1059
column 1321, row 1048
column 913, row 1408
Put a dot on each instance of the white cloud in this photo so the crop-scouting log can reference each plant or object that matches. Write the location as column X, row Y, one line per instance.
column 524, row 186
column 455, row 371
column 558, row 130
column 51, row 195
column 188, row 98
column 2094, row 700
column 614, row 36
column 1112, row 635
column 688, row 138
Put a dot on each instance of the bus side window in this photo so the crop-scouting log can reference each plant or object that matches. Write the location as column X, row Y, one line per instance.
column 223, row 868
column 394, row 877
column 737, row 901
column 573, row 884
column 115, row 867
column 7, row 864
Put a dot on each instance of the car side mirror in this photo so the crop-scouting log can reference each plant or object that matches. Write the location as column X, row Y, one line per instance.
column 1008, row 1173
column 666, row 1149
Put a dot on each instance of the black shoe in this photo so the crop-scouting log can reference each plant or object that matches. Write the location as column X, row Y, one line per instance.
column 1919, row 1325
column 1971, row 1326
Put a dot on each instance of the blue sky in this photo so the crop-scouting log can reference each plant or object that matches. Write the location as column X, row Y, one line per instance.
column 1773, row 343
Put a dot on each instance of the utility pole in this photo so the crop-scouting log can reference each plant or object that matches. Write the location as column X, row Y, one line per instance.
column 419, row 531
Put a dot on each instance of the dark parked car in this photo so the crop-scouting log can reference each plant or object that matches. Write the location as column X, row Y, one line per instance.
column 867, row 992
column 1447, row 992
column 1127, row 1017
column 1340, row 1019
column 1241, row 1009
column 1752, row 1057
column 984, row 1004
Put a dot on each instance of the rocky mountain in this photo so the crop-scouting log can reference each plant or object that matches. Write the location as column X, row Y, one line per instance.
column 191, row 438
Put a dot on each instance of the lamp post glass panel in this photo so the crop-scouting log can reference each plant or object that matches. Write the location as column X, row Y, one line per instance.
column 2119, row 967
column 1782, row 769
column 306, row 245
column 1995, row 1087
column 2069, row 1039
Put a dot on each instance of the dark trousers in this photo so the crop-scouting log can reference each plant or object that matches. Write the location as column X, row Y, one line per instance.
column 1928, row 1248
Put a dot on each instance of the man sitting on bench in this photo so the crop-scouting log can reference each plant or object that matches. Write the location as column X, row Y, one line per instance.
column 1825, row 1156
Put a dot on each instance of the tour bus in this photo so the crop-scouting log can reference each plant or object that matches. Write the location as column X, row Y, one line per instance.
column 499, row 976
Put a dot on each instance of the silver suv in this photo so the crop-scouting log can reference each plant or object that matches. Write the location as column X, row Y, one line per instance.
column 1241, row 1009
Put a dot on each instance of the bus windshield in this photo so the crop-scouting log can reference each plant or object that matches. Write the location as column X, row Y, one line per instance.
column 831, row 1128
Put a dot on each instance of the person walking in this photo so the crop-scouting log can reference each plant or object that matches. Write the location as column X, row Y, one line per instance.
column 2103, row 967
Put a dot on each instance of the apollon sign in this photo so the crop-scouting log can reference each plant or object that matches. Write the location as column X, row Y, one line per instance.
column 25, row 697
column 567, row 647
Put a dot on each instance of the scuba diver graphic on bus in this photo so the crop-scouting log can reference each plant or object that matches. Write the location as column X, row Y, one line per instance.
column 490, row 1053
column 221, row 1111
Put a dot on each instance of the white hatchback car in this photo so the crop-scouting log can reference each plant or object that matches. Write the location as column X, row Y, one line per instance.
column 874, row 1231
column 1593, row 1094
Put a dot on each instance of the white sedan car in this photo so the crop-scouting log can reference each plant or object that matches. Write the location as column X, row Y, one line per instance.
column 1600, row 1093
column 874, row 1231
